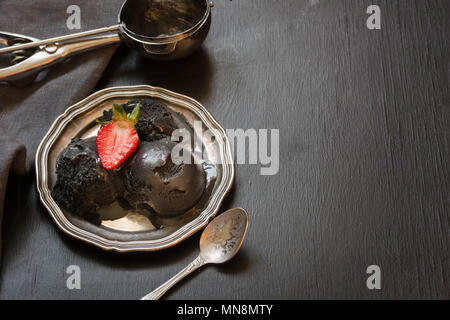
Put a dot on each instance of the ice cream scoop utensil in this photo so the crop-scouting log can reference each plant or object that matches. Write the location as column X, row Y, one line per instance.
column 35, row 54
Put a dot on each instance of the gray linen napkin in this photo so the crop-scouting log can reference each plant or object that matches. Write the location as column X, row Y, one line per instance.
column 26, row 113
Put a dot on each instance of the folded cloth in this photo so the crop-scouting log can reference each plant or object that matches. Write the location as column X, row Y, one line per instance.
column 26, row 113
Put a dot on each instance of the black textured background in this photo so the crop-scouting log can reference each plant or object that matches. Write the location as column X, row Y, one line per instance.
column 364, row 160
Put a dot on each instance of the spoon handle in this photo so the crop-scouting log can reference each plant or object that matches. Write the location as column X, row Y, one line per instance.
column 158, row 292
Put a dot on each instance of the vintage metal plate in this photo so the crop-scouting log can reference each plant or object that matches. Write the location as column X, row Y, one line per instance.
column 134, row 232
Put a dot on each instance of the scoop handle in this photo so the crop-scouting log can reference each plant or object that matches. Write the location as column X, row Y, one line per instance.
column 49, row 56
column 59, row 40
column 162, row 289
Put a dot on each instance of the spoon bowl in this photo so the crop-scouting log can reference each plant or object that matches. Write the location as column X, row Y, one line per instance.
column 223, row 237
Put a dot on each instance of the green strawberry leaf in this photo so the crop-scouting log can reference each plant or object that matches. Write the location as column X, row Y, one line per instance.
column 118, row 112
column 134, row 115
column 102, row 122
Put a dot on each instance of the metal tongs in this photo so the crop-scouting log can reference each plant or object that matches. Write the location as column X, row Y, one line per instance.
column 28, row 56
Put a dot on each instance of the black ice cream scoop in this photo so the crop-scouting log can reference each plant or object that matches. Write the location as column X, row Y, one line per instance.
column 152, row 179
column 83, row 185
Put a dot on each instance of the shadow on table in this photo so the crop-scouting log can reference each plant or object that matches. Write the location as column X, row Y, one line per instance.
column 191, row 76
column 239, row 264
column 134, row 260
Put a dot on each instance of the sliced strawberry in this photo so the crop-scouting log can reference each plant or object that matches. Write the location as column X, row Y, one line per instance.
column 118, row 139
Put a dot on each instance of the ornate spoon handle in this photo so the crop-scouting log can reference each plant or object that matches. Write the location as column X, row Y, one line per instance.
column 158, row 292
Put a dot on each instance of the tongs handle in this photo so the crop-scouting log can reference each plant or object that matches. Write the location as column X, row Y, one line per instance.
column 7, row 37
column 59, row 40
column 50, row 55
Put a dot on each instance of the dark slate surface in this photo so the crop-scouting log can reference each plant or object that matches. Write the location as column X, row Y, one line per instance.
column 364, row 160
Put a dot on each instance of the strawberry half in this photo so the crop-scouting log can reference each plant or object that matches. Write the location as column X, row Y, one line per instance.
column 118, row 139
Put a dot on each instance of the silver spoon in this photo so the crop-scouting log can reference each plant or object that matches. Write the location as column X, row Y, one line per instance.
column 219, row 242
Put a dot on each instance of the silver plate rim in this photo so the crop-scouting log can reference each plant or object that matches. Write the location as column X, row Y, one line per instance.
column 225, row 184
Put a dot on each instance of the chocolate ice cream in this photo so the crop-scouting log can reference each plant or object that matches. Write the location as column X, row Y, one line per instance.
column 152, row 179
column 147, row 180
column 156, row 120
column 83, row 185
